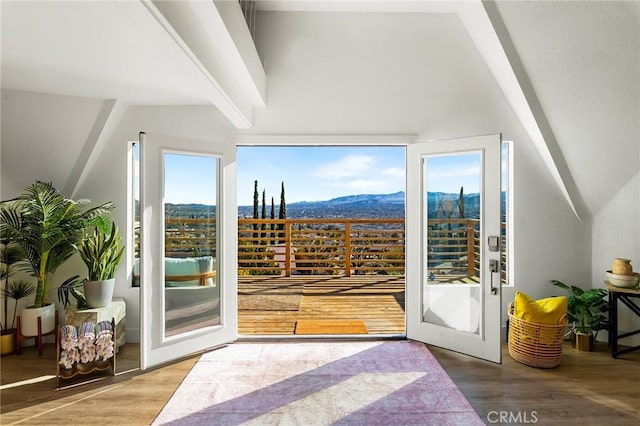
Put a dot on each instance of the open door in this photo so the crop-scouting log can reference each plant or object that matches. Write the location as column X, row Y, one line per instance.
column 188, row 293
column 453, row 239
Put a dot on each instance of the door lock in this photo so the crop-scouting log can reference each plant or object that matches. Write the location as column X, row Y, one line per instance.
column 494, row 243
column 494, row 267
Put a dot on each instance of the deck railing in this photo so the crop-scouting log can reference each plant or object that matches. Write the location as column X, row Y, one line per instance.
column 333, row 246
column 321, row 246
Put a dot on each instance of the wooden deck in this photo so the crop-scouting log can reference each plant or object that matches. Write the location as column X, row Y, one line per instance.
column 269, row 305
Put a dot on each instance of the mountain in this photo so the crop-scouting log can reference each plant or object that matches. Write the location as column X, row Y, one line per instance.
column 441, row 205
column 360, row 206
column 395, row 198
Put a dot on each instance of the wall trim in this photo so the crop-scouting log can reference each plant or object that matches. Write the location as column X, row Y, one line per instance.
column 323, row 139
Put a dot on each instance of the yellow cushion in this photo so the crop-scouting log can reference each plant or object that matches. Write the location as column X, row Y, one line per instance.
column 542, row 311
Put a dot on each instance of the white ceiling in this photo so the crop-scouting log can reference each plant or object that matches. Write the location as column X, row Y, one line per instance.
column 112, row 50
column 582, row 60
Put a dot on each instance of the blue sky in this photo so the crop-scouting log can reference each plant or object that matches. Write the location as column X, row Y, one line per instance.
column 315, row 173
column 319, row 173
column 190, row 179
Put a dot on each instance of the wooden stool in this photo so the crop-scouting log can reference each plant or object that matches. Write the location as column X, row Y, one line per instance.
column 20, row 337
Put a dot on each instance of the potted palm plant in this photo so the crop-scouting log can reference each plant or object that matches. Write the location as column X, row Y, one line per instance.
column 46, row 226
column 10, row 255
column 102, row 252
column 587, row 312
column 15, row 290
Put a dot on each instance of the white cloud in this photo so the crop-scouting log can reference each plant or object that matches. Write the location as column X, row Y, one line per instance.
column 394, row 172
column 365, row 185
column 350, row 165
column 454, row 172
column 371, row 186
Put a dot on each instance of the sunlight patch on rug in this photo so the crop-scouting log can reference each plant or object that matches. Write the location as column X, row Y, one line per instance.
column 305, row 410
column 319, row 383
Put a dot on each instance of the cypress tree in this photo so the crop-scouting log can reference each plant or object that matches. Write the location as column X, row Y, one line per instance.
column 273, row 216
column 282, row 214
column 263, row 226
column 255, row 208
column 255, row 199
column 283, row 205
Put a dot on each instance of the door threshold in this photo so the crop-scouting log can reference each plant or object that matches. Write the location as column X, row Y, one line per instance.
column 322, row 337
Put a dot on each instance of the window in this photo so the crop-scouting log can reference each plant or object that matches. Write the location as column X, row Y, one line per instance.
column 506, row 213
column 134, row 220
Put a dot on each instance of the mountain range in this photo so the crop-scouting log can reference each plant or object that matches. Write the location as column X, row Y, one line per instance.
column 376, row 205
column 441, row 205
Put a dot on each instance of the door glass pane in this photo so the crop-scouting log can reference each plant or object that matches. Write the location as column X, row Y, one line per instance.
column 505, row 202
column 191, row 285
column 451, row 294
column 135, row 220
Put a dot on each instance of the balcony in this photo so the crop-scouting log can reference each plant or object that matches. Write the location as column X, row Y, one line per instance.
column 341, row 269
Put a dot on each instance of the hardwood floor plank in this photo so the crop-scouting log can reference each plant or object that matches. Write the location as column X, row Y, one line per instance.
column 587, row 388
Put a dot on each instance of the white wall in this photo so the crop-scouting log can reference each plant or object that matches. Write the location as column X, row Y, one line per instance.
column 616, row 233
column 42, row 135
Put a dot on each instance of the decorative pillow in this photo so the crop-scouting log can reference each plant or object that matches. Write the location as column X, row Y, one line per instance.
column 181, row 266
column 542, row 311
column 206, row 264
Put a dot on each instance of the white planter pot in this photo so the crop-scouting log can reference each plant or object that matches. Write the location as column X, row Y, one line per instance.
column 29, row 319
column 99, row 293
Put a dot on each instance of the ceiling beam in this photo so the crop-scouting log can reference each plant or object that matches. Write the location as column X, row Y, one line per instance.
column 487, row 30
column 105, row 124
column 239, row 113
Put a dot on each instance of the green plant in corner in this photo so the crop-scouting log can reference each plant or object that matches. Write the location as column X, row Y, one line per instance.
column 587, row 310
column 17, row 290
column 102, row 252
column 10, row 255
column 46, row 226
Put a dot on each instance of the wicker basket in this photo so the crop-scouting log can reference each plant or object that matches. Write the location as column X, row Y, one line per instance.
column 536, row 345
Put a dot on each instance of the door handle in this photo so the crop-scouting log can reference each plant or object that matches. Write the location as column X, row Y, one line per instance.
column 494, row 267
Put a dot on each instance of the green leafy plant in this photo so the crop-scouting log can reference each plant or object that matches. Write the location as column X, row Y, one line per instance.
column 102, row 252
column 70, row 288
column 47, row 226
column 17, row 290
column 587, row 310
column 10, row 256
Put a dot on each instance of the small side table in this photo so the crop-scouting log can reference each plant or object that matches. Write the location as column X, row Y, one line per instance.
column 116, row 309
column 626, row 296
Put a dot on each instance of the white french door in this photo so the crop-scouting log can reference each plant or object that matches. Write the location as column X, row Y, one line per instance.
column 187, row 189
column 453, row 239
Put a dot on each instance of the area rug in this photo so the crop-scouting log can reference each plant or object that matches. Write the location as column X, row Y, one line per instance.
column 330, row 327
column 269, row 302
column 318, row 383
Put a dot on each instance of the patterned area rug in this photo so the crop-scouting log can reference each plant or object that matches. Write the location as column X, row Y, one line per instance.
column 318, row 383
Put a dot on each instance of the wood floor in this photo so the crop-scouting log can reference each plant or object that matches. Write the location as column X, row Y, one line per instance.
column 272, row 305
column 586, row 389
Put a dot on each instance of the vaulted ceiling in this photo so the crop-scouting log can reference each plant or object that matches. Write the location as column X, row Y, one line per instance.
column 569, row 71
